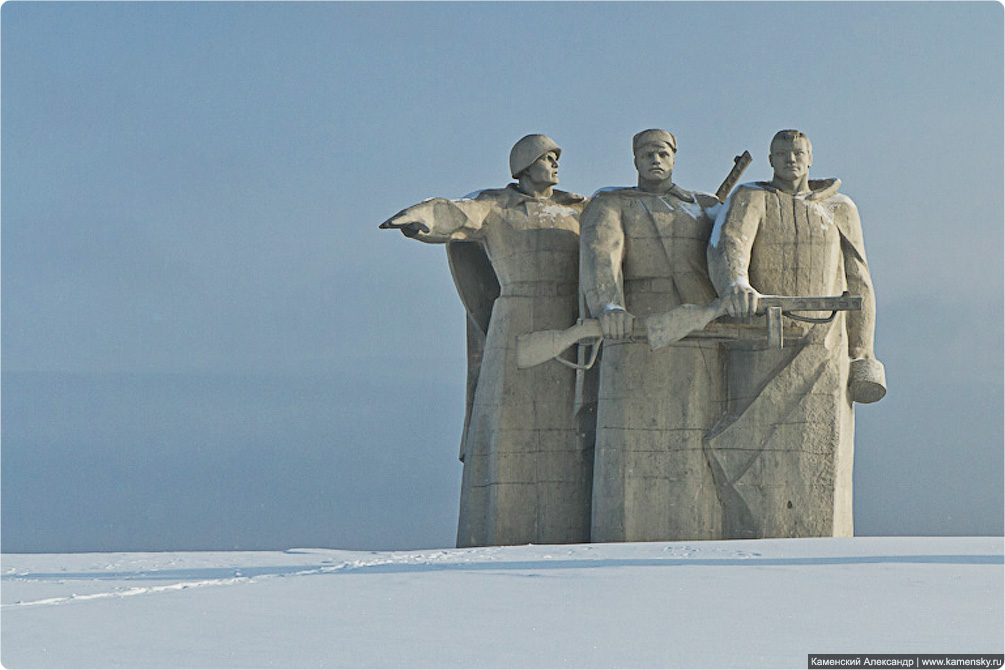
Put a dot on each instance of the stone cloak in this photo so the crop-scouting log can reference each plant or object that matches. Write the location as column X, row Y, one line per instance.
column 783, row 452
column 527, row 467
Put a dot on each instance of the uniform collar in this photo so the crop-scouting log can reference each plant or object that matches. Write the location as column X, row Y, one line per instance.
column 557, row 196
column 674, row 190
column 820, row 189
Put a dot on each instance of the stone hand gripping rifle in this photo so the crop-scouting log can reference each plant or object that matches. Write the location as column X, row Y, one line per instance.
column 536, row 348
column 666, row 328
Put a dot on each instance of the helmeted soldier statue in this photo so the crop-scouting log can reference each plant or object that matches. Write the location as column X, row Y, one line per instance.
column 514, row 256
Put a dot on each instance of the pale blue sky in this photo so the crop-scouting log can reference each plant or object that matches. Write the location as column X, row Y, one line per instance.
column 235, row 356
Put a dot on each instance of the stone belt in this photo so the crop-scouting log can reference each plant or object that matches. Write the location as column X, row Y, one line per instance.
column 649, row 285
column 535, row 289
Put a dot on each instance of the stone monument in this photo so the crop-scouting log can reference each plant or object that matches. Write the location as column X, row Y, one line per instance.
column 737, row 333
column 644, row 252
column 782, row 453
column 514, row 256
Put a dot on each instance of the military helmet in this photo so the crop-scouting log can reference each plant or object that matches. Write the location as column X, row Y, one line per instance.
column 528, row 150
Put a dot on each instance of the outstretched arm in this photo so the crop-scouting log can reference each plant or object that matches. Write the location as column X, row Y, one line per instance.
column 440, row 220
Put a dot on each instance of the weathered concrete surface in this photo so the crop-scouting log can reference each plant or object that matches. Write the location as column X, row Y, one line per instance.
column 527, row 467
column 783, row 453
column 643, row 252
column 723, row 434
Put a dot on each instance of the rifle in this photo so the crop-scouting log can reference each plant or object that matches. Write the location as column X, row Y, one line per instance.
column 669, row 327
column 740, row 164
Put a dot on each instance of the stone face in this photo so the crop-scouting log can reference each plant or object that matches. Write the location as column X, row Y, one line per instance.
column 783, row 452
column 515, row 256
column 643, row 252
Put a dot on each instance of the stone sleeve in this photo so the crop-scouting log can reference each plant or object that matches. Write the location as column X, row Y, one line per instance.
column 439, row 220
column 602, row 247
column 862, row 324
column 733, row 236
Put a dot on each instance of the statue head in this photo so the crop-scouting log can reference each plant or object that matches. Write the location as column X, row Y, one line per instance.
column 654, row 155
column 791, row 156
column 528, row 150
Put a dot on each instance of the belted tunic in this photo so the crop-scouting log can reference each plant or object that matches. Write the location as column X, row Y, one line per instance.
column 646, row 253
column 527, row 467
column 783, row 452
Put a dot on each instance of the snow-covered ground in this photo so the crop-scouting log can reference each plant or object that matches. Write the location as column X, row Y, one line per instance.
column 750, row 604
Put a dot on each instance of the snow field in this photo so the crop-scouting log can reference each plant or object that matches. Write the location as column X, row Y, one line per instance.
column 743, row 604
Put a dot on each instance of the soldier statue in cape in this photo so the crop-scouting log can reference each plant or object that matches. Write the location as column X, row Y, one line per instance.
column 782, row 454
column 514, row 256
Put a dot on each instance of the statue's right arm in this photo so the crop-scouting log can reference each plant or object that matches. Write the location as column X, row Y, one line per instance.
column 439, row 220
column 729, row 249
column 602, row 247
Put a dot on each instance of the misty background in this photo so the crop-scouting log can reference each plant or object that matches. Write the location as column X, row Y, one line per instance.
column 208, row 344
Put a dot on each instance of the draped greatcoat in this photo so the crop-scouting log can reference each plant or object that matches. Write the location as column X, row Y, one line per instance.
column 527, row 464
column 646, row 253
column 782, row 454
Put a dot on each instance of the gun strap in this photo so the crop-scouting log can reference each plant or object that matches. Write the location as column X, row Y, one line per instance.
column 812, row 319
column 580, row 366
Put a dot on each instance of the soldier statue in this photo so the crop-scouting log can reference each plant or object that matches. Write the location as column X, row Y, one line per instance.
column 782, row 454
column 514, row 256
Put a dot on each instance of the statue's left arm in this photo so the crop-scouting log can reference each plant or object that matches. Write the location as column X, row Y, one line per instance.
column 867, row 377
column 861, row 324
